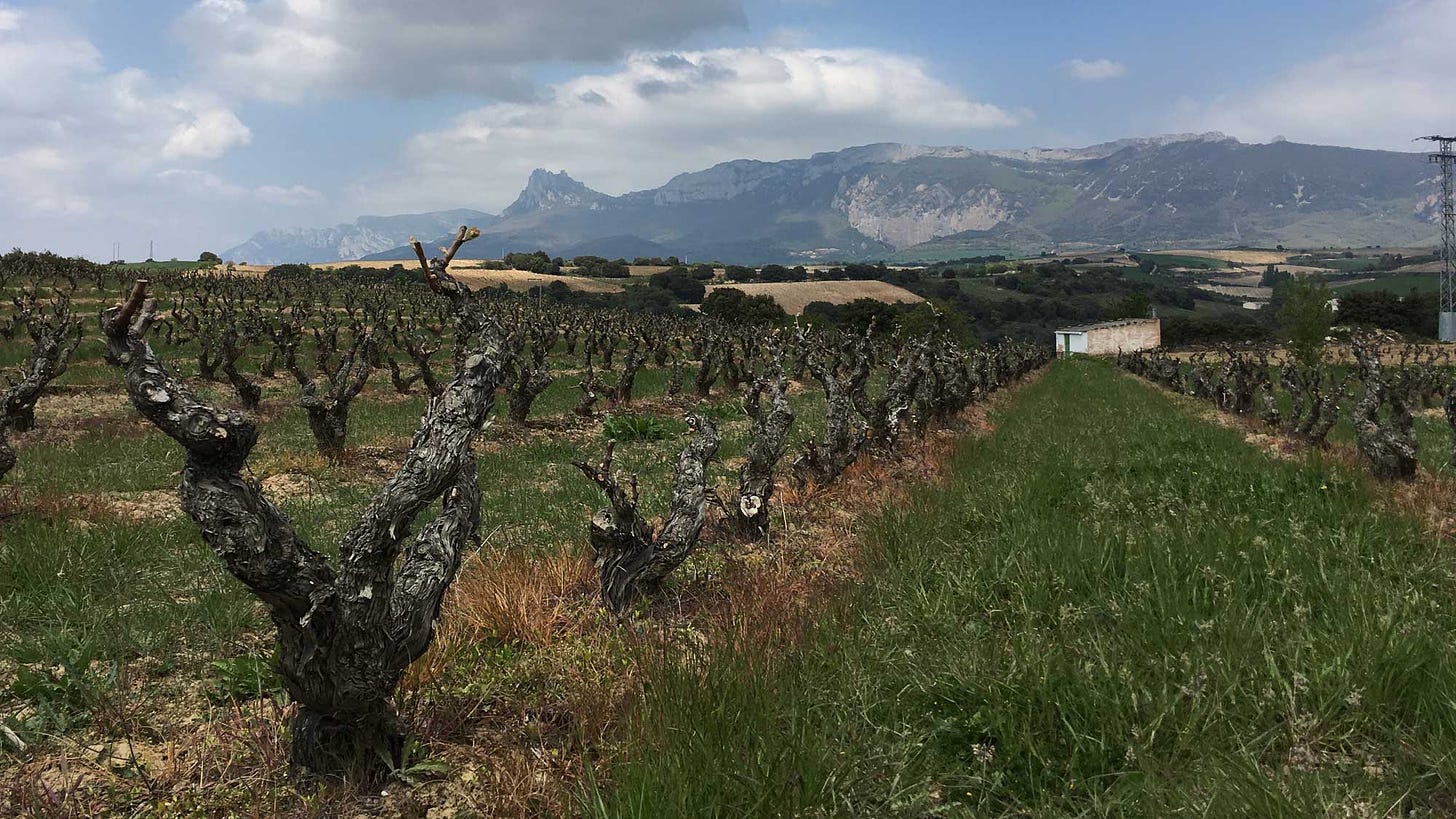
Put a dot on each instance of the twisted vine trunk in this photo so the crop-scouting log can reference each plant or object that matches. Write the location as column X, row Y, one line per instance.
column 621, row 394
column 631, row 559
column 886, row 416
column 54, row 335
column 248, row 391
column 1448, row 404
column 346, row 633
column 528, row 375
column 767, row 439
column 327, row 406
column 1389, row 445
column 842, row 369
column 585, row 408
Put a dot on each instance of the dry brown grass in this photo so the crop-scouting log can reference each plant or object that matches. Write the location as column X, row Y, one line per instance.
column 1240, row 257
column 520, row 599
column 794, row 296
column 521, row 280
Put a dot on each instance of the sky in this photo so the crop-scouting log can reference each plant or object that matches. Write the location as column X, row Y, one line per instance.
column 195, row 123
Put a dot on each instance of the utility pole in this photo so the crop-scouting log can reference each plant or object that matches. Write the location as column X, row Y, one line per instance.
column 151, row 250
column 1446, row 158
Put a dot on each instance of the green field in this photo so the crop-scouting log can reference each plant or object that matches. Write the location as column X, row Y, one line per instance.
column 1176, row 260
column 1112, row 609
column 1400, row 284
column 142, row 267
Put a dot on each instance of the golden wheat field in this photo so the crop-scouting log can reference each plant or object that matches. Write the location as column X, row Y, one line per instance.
column 795, row 296
column 518, row 280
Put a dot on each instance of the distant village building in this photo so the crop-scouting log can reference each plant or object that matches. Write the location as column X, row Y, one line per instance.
column 1109, row 337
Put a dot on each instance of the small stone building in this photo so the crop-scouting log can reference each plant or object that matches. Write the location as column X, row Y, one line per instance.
column 1109, row 337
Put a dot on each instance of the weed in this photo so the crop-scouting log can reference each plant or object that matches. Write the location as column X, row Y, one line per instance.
column 63, row 695
column 243, row 678
column 634, row 428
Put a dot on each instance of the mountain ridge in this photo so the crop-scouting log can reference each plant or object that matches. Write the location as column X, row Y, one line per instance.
column 893, row 200
column 362, row 237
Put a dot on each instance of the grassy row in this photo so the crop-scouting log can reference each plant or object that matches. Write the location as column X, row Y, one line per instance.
column 1111, row 609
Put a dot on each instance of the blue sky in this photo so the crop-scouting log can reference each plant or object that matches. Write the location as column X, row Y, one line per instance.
column 197, row 122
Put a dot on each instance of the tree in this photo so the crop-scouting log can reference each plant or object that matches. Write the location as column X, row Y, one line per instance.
column 1273, row 276
column 728, row 304
column 1412, row 315
column 534, row 262
column 648, row 299
column 209, row 256
column 680, row 283
column 859, row 315
column 1133, row 305
column 1304, row 317
column 599, row 268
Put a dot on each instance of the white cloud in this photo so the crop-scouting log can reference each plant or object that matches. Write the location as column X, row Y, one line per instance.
column 291, row 195
column 1378, row 90
column 209, row 135
column 1095, row 70
column 289, row 50
column 118, row 148
column 210, row 184
column 668, row 112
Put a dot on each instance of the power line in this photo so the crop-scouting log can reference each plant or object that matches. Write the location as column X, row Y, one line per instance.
column 1446, row 158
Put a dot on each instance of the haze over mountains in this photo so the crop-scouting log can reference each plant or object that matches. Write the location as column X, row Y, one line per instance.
column 908, row 202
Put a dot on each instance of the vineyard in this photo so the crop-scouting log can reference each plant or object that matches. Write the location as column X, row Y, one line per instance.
column 264, row 536
column 305, row 545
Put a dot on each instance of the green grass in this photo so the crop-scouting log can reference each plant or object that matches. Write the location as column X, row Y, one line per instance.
column 116, row 591
column 1111, row 609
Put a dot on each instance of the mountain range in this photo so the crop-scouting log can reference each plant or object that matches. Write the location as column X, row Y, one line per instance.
column 910, row 202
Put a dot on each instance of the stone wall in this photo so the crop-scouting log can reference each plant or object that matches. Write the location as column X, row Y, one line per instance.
column 1134, row 335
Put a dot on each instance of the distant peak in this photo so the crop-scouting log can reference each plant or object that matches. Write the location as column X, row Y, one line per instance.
column 541, row 176
column 546, row 190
